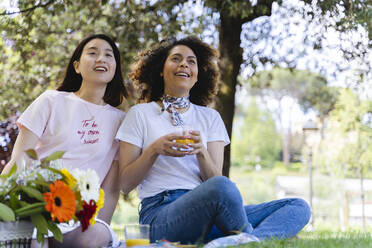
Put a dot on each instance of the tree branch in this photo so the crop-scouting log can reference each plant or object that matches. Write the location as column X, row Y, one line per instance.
column 262, row 8
column 40, row 5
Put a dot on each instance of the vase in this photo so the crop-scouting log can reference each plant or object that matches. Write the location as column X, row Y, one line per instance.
column 16, row 234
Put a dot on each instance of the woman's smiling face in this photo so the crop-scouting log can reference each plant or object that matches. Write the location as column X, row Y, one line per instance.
column 180, row 71
column 97, row 62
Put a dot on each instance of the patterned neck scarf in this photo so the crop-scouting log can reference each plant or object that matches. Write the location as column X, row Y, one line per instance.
column 170, row 103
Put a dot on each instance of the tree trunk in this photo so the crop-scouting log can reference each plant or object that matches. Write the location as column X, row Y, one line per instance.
column 231, row 57
column 229, row 64
column 286, row 147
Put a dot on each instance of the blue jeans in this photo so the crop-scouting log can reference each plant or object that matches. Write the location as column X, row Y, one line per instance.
column 215, row 209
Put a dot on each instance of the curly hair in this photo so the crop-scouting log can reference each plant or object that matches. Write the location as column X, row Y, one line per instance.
column 146, row 73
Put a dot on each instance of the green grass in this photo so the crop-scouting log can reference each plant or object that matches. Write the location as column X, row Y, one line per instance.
column 319, row 240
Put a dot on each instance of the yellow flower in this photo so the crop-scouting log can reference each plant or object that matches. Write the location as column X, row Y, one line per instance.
column 70, row 179
column 60, row 201
column 100, row 203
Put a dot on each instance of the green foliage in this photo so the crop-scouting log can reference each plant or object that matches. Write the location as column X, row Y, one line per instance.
column 53, row 156
column 6, row 213
column 57, row 234
column 241, row 8
column 255, row 139
column 32, row 154
column 41, row 225
column 352, row 13
column 350, row 136
column 310, row 89
column 37, row 44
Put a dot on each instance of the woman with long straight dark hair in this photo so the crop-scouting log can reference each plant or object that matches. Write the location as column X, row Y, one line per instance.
column 81, row 118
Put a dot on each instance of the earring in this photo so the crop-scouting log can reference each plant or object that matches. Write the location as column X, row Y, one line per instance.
column 161, row 74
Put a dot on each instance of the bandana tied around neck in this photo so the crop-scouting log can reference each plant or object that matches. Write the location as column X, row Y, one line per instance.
column 170, row 103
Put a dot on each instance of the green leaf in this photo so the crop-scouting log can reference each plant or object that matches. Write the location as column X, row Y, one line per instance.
column 41, row 183
column 14, row 201
column 23, row 203
column 55, row 171
column 55, row 230
column 40, row 238
column 40, row 223
column 41, row 179
column 12, row 170
column 30, row 209
column 4, row 176
column 32, row 192
column 6, row 213
column 54, row 156
column 32, row 154
column 3, row 193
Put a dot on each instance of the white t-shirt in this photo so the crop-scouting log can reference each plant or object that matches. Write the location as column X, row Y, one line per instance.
column 63, row 122
column 145, row 123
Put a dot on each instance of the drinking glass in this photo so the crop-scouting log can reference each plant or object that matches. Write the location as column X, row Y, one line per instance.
column 137, row 234
column 185, row 130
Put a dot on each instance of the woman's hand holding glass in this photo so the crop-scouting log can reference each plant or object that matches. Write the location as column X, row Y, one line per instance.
column 185, row 141
column 191, row 138
column 196, row 145
column 167, row 145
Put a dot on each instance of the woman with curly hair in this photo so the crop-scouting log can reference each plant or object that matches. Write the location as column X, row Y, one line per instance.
column 184, row 196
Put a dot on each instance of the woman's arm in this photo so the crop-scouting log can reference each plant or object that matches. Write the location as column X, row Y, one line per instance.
column 135, row 165
column 111, row 186
column 26, row 140
column 210, row 159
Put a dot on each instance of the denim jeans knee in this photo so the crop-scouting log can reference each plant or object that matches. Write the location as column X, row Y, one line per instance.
column 223, row 189
column 282, row 218
column 189, row 216
column 305, row 210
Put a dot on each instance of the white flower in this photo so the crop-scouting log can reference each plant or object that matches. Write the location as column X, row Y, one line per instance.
column 6, row 185
column 88, row 183
column 49, row 176
column 56, row 164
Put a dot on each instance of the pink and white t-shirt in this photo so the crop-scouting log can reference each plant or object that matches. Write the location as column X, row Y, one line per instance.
column 85, row 131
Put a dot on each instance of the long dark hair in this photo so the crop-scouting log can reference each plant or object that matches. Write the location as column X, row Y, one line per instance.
column 150, row 63
column 115, row 90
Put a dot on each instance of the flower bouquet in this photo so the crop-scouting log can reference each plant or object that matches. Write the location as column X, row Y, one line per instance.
column 48, row 194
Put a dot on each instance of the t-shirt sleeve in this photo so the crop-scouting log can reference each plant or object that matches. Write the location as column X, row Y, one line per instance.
column 217, row 129
column 36, row 116
column 131, row 129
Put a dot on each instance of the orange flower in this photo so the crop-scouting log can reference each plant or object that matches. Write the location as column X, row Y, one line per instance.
column 60, row 201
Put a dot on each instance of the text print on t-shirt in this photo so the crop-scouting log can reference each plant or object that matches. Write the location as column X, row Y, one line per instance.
column 89, row 133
